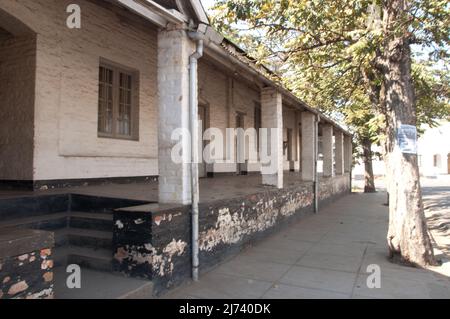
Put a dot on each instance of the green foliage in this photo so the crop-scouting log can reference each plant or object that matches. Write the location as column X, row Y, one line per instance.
column 326, row 53
column 432, row 93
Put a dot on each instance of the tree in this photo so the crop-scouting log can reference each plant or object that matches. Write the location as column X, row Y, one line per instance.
column 356, row 55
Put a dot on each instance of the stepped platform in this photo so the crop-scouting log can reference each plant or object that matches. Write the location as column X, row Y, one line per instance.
column 82, row 228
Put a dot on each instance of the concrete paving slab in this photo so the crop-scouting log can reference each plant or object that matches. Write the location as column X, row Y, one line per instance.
column 331, row 280
column 393, row 288
column 359, row 237
column 253, row 269
column 353, row 249
column 292, row 292
column 304, row 235
column 332, row 262
column 281, row 256
column 283, row 243
column 222, row 286
column 102, row 285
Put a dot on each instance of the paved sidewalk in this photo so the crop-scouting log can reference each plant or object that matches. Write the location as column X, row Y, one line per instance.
column 437, row 210
column 321, row 256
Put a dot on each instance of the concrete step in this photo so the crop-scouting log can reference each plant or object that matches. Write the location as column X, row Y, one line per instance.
column 94, row 221
column 88, row 238
column 86, row 258
column 98, row 221
column 88, row 242
column 101, row 285
column 42, row 222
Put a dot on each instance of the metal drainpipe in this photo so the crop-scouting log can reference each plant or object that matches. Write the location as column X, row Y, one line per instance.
column 316, row 161
column 193, row 104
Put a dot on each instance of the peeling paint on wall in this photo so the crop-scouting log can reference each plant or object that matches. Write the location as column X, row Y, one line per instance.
column 160, row 261
column 254, row 217
column 330, row 187
column 165, row 217
column 119, row 224
column 28, row 276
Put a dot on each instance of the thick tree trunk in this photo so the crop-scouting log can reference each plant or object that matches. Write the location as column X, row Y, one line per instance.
column 369, row 180
column 408, row 237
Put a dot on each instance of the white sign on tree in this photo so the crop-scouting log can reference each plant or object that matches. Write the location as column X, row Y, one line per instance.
column 407, row 139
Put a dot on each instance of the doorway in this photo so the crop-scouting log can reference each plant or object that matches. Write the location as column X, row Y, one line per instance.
column 289, row 150
column 240, row 144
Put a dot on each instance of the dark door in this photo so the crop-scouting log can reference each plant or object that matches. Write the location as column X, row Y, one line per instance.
column 201, row 142
column 240, row 143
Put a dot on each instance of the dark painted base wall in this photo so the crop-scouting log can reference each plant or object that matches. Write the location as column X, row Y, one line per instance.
column 28, row 275
column 154, row 242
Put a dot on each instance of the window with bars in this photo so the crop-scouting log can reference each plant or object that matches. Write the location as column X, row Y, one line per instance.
column 116, row 103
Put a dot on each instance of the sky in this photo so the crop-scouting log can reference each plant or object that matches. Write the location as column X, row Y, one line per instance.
column 207, row 3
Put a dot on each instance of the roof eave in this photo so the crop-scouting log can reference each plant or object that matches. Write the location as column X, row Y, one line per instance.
column 153, row 12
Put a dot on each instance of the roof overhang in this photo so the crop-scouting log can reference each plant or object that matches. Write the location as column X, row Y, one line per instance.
column 153, row 12
column 199, row 11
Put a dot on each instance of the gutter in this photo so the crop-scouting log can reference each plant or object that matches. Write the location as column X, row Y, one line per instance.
column 195, row 190
column 204, row 34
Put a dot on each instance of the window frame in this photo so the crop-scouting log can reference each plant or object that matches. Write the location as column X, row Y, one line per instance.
column 134, row 112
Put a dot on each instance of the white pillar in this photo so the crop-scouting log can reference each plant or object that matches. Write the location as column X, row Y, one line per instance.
column 272, row 117
column 174, row 49
column 339, row 152
column 348, row 156
column 308, row 146
column 327, row 150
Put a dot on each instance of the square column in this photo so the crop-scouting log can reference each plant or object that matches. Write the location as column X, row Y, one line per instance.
column 174, row 49
column 339, row 153
column 348, row 153
column 272, row 118
column 308, row 144
column 327, row 145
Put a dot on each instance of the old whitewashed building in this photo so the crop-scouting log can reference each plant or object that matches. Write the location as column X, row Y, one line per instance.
column 88, row 114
